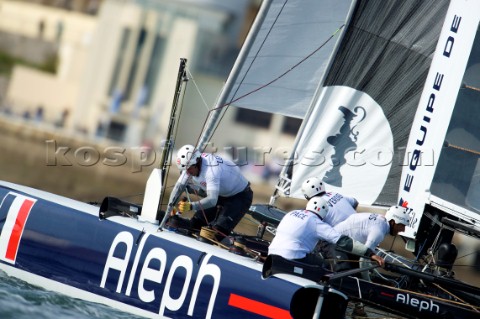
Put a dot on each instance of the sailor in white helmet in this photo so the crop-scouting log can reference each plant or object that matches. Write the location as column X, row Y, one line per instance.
column 299, row 231
column 371, row 229
column 339, row 206
column 227, row 194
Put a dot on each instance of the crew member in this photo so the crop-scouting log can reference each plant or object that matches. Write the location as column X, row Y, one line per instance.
column 227, row 193
column 340, row 207
column 299, row 231
column 371, row 229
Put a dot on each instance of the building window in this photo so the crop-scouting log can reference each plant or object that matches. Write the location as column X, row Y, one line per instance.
column 154, row 67
column 253, row 118
column 116, row 131
column 142, row 35
column 291, row 125
column 114, row 85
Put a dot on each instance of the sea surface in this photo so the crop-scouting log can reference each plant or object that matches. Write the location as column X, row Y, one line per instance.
column 20, row 300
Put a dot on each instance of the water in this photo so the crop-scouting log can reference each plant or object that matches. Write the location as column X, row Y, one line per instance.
column 20, row 300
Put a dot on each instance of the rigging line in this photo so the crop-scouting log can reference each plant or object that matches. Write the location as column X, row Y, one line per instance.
column 476, row 309
column 201, row 206
column 447, row 144
column 255, row 57
column 258, row 51
column 286, row 72
column 226, row 105
column 198, row 89
column 473, row 252
column 470, row 87
column 277, row 78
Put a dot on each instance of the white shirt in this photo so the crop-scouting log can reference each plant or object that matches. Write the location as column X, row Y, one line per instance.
column 298, row 233
column 339, row 207
column 218, row 177
column 369, row 229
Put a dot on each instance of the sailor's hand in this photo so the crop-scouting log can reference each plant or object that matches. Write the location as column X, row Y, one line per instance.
column 379, row 260
column 184, row 206
column 174, row 212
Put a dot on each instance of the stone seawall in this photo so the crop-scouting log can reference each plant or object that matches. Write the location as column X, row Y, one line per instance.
column 50, row 161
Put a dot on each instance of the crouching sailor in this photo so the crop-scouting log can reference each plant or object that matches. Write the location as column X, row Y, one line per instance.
column 371, row 229
column 227, row 193
column 300, row 230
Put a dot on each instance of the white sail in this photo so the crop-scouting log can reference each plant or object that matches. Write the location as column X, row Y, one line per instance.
column 355, row 135
column 396, row 119
column 288, row 56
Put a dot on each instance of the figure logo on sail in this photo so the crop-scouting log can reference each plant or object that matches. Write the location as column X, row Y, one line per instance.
column 343, row 142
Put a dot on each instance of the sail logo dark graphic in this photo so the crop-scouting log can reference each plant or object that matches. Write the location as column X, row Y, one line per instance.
column 343, row 142
column 348, row 144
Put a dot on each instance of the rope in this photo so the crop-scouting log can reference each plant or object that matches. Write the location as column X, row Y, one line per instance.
column 289, row 70
column 208, row 233
column 446, row 144
column 199, row 204
column 198, row 90
column 453, row 295
column 471, row 87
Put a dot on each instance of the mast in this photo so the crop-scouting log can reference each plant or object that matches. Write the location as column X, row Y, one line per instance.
column 214, row 115
column 155, row 186
column 169, row 143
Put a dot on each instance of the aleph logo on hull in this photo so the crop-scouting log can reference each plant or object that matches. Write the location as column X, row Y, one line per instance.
column 421, row 305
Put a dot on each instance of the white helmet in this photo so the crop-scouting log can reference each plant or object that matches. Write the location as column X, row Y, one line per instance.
column 398, row 214
column 312, row 187
column 318, row 205
column 187, row 156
